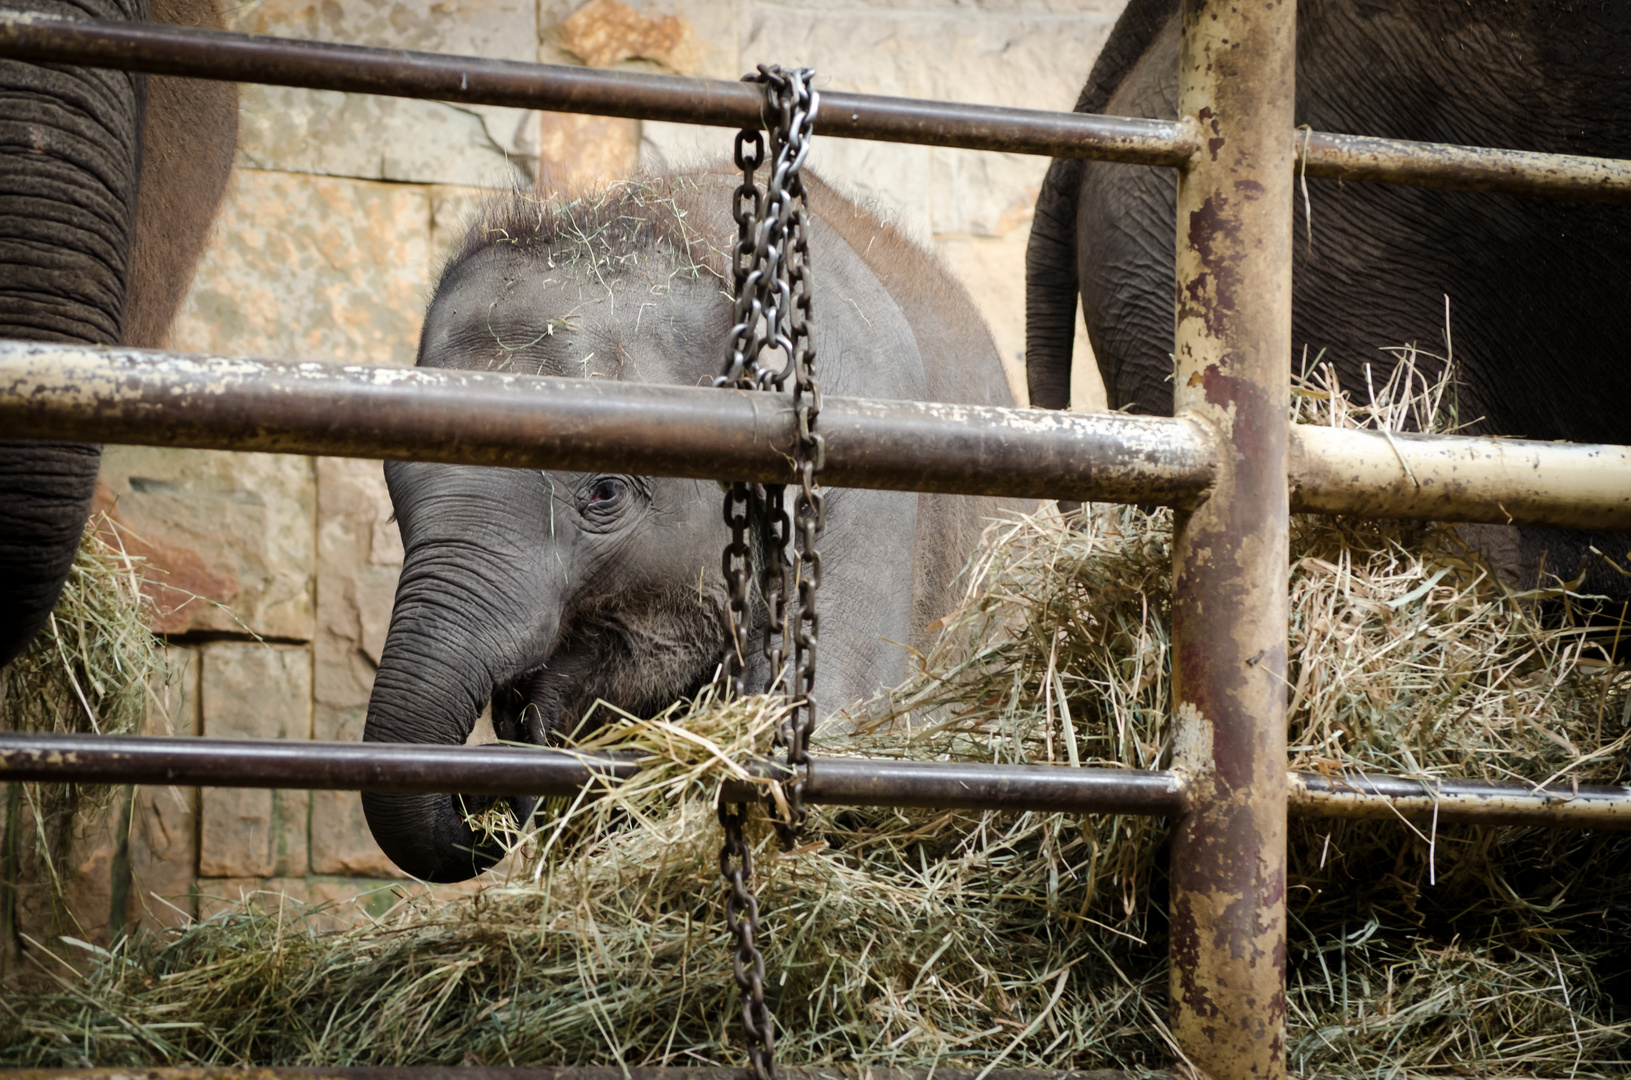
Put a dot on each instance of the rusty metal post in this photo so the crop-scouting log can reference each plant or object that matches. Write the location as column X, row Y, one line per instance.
column 1233, row 349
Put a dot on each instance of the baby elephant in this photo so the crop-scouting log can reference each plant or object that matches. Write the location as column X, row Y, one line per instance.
column 542, row 592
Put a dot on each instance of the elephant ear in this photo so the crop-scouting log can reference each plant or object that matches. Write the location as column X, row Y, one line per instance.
column 1051, row 285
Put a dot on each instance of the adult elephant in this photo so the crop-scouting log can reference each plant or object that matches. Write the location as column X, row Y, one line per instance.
column 1537, row 288
column 543, row 592
column 108, row 182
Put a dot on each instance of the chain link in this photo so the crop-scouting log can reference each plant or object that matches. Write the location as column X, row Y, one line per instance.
column 772, row 313
column 748, row 964
column 809, row 513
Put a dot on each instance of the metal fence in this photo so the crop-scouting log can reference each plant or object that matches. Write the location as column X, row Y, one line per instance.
column 1229, row 460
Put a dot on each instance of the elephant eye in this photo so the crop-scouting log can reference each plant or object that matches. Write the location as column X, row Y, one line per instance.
column 606, row 491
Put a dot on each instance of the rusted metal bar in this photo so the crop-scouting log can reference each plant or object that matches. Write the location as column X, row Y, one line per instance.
column 1390, row 798
column 213, row 54
column 1463, row 168
column 483, row 418
column 834, row 781
column 1450, row 478
column 1236, row 74
column 575, row 1072
column 507, row 770
column 308, row 765
column 208, row 54
column 979, row 786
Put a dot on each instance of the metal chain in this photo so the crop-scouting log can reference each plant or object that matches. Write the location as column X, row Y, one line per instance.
column 772, row 312
column 809, row 518
column 748, row 964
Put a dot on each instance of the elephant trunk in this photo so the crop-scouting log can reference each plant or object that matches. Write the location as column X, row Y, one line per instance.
column 69, row 155
column 467, row 619
column 46, row 491
column 429, row 836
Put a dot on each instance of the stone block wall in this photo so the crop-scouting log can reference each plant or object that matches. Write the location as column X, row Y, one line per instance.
column 273, row 576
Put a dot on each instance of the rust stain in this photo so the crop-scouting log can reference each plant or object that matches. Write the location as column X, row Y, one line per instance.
column 1229, row 619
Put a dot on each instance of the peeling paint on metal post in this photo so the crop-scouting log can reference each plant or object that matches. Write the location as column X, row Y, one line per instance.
column 1233, row 352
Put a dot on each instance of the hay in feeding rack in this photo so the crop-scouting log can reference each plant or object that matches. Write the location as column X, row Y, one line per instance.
column 922, row 936
column 905, row 937
column 94, row 669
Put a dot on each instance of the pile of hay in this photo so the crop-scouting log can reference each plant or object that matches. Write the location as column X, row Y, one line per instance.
column 94, row 669
column 901, row 937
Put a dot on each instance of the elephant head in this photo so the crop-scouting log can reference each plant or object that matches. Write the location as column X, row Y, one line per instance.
column 542, row 592
column 108, row 182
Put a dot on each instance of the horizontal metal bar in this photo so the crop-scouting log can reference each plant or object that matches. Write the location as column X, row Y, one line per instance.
column 483, row 418
column 978, row 786
column 505, row 770
column 213, row 54
column 1459, row 478
column 1463, row 168
column 308, row 765
column 508, row 770
column 1383, row 798
column 571, row 1072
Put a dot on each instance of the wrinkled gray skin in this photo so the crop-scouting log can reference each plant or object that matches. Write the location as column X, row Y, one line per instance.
column 545, row 592
column 108, row 182
column 1537, row 288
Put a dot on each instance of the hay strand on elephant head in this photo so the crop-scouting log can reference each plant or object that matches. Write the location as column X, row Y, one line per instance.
column 917, row 937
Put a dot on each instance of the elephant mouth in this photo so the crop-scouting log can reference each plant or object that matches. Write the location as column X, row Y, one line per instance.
column 636, row 662
column 528, row 708
column 555, row 701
